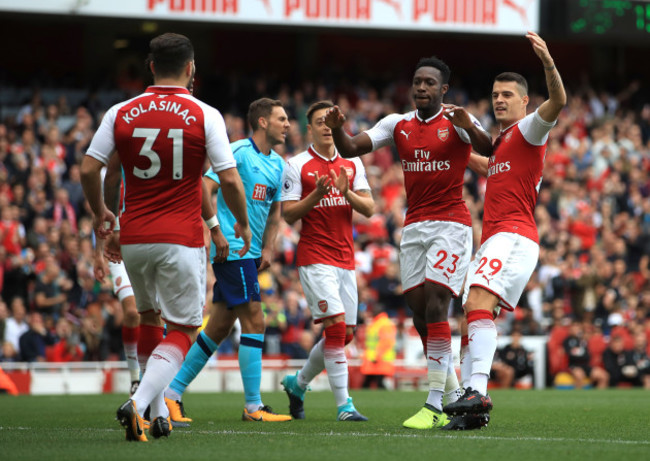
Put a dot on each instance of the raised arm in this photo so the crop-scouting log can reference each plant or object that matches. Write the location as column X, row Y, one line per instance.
column 549, row 109
column 348, row 146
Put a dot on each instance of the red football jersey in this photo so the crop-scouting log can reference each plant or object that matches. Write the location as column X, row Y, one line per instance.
column 163, row 137
column 434, row 155
column 326, row 234
column 514, row 178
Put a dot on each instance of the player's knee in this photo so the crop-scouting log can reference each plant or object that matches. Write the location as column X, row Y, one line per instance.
column 328, row 322
column 253, row 327
column 130, row 310
column 437, row 294
column 151, row 318
column 252, row 323
column 131, row 317
column 217, row 332
column 471, row 305
column 437, row 312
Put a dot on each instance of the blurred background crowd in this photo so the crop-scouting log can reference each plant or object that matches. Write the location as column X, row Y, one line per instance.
column 590, row 293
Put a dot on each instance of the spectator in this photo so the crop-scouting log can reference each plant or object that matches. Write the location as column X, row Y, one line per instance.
column 620, row 364
column 388, row 287
column 67, row 349
column 298, row 321
column 16, row 325
column 4, row 315
column 641, row 359
column 8, row 353
column 599, row 187
column 526, row 325
column 379, row 353
column 34, row 342
column 51, row 287
column 73, row 186
column 53, row 154
column 276, row 323
column 62, row 210
column 78, row 138
column 93, row 339
column 12, row 232
column 112, row 333
column 381, row 252
column 513, row 363
column 50, row 117
column 575, row 347
column 38, row 232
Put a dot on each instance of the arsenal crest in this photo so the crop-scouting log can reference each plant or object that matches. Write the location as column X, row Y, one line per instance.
column 443, row 133
column 349, row 171
column 322, row 305
column 508, row 136
column 118, row 281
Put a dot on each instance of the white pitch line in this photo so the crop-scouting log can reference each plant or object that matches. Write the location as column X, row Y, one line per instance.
column 386, row 434
column 445, row 436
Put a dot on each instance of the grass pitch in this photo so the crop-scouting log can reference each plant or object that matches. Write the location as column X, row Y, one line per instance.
column 526, row 425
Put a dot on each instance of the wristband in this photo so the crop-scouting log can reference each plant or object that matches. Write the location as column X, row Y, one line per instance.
column 550, row 67
column 212, row 222
column 117, row 224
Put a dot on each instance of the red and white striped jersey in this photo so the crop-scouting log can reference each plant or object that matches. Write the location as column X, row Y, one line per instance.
column 434, row 154
column 163, row 137
column 514, row 178
column 326, row 234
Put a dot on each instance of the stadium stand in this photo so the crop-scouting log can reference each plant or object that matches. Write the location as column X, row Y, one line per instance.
column 593, row 210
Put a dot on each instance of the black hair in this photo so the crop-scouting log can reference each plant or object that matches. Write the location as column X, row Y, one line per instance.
column 170, row 53
column 437, row 63
column 317, row 106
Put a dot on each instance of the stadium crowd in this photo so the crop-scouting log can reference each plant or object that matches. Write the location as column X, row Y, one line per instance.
column 590, row 293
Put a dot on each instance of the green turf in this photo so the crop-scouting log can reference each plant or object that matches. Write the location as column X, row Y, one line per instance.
column 526, row 425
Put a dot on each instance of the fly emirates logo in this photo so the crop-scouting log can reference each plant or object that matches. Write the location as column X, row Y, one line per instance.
column 423, row 164
column 496, row 168
column 334, row 198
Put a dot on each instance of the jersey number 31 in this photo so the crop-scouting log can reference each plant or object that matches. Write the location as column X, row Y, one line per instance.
column 150, row 135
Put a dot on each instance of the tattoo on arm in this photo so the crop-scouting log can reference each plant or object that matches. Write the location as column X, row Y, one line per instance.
column 554, row 81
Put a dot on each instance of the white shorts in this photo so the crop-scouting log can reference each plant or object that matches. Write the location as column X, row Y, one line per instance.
column 121, row 283
column 503, row 266
column 169, row 279
column 330, row 291
column 437, row 251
